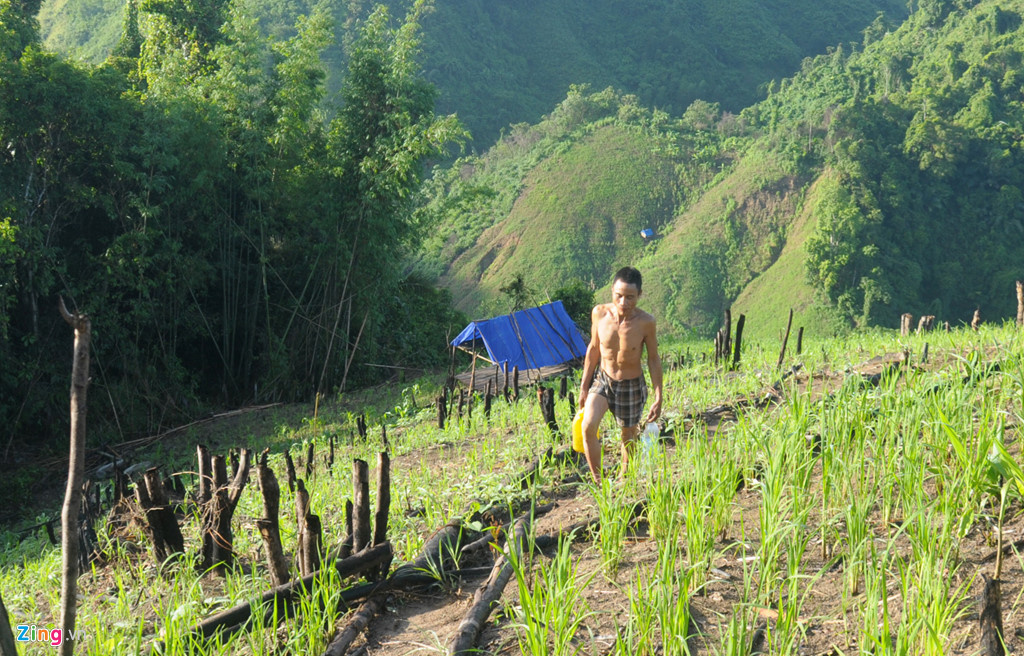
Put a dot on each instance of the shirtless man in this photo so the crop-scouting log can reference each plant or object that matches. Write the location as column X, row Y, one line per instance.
column 618, row 334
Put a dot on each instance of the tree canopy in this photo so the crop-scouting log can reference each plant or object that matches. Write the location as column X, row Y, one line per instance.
column 231, row 234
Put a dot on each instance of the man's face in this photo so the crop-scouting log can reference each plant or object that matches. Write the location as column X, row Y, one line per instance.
column 625, row 296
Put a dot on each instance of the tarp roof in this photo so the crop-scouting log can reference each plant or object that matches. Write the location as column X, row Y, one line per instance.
column 529, row 339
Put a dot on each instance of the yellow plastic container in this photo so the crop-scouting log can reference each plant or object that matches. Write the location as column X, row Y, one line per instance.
column 577, row 432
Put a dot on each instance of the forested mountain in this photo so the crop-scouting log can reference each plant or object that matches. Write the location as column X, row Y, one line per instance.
column 238, row 231
column 496, row 63
column 884, row 177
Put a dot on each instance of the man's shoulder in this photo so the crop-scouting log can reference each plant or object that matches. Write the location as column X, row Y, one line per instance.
column 601, row 310
column 646, row 317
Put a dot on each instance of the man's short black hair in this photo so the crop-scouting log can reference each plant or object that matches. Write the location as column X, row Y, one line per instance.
column 630, row 276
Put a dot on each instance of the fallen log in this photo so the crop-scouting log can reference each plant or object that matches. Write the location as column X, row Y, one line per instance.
column 990, row 620
column 370, row 609
column 487, row 596
column 237, row 618
column 489, row 535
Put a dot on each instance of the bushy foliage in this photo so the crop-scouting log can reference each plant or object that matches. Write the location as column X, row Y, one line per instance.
column 578, row 299
column 228, row 237
column 919, row 132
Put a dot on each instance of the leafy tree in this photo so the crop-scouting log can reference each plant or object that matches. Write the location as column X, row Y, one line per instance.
column 578, row 299
column 518, row 294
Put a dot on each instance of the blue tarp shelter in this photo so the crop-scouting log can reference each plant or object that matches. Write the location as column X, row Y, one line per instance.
column 529, row 339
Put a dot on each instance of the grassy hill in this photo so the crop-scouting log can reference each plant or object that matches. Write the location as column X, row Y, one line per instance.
column 880, row 179
column 600, row 212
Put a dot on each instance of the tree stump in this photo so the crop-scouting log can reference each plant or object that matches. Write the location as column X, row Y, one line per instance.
column 225, row 500
column 309, row 459
column 727, row 335
column 991, row 618
column 739, row 341
column 269, row 526
column 905, row 320
column 383, row 507
column 361, row 529
column 289, row 465
column 312, row 543
column 163, row 525
column 546, row 396
column 1020, row 302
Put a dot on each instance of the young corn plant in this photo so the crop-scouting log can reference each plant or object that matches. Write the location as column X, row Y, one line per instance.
column 552, row 608
column 614, row 514
column 700, row 534
column 670, row 597
column 639, row 635
column 664, row 500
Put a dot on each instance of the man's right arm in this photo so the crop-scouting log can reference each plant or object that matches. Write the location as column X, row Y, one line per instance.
column 593, row 357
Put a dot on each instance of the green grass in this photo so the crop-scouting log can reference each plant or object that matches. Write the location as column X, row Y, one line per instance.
column 902, row 475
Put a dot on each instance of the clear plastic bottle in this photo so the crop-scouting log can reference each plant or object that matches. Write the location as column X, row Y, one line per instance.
column 649, row 440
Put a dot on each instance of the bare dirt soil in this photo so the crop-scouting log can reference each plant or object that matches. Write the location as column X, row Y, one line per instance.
column 425, row 623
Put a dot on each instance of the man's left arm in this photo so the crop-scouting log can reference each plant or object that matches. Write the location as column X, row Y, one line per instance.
column 654, row 366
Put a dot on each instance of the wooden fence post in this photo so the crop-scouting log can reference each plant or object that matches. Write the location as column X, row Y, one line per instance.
column 739, row 341
column 441, row 405
column 76, row 472
column 782, row 353
column 1020, row 302
column 727, row 336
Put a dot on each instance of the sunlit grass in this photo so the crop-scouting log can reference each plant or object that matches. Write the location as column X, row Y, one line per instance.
column 880, row 484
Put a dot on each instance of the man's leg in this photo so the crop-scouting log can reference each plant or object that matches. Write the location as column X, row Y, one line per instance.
column 629, row 434
column 593, row 412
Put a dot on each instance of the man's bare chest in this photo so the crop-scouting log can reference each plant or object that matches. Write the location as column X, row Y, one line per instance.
column 624, row 336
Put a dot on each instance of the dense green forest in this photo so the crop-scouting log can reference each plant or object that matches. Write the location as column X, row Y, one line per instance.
column 883, row 177
column 231, row 239
column 500, row 63
column 242, row 228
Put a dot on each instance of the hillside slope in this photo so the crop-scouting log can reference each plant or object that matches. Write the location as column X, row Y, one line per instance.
column 500, row 63
column 572, row 220
column 876, row 181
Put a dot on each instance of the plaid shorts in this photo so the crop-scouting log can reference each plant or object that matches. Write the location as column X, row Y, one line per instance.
column 626, row 398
